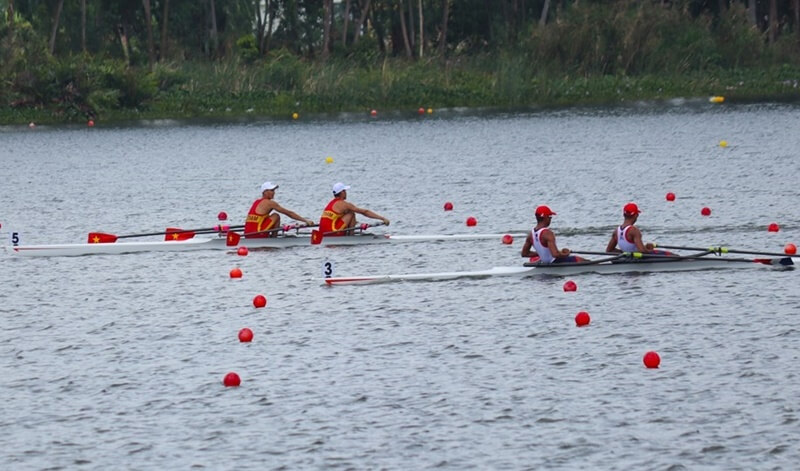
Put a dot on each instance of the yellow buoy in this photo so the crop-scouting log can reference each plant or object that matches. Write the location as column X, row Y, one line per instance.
column 723, row 143
column 716, row 99
column 328, row 160
column 430, row 110
column 295, row 115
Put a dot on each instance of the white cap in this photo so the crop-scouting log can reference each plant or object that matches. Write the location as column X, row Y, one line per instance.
column 268, row 186
column 339, row 187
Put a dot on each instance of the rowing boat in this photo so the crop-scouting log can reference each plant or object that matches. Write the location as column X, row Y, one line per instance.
column 220, row 242
column 607, row 266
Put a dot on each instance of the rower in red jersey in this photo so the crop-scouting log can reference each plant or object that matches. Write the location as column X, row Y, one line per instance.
column 340, row 215
column 263, row 215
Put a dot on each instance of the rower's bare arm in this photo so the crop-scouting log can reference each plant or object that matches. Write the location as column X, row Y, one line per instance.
column 612, row 244
column 292, row 214
column 370, row 214
column 637, row 239
column 526, row 248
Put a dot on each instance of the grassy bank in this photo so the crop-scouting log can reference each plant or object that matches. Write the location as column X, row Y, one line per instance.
column 232, row 89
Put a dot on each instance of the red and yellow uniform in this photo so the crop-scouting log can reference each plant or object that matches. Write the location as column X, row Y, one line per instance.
column 331, row 221
column 257, row 222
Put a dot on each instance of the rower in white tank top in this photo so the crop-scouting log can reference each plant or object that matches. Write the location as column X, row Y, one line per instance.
column 544, row 253
column 622, row 240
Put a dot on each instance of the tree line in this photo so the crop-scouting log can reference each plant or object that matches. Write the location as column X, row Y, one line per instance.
column 41, row 39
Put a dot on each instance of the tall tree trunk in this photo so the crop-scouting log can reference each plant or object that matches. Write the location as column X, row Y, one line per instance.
column 545, row 8
column 164, row 42
column 123, row 40
column 445, row 20
column 361, row 22
column 148, row 21
column 411, row 32
column 83, row 26
column 10, row 16
column 214, row 35
column 56, row 20
column 270, row 19
column 401, row 11
column 751, row 12
column 773, row 20
column 346, row 20
column 421, row 30
column 796, row 4
column 327, row 6
column 379, row 32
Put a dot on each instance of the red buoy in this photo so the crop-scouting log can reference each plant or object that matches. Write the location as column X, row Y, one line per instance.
column 90, row 123
column 222, row 216
column 373, row 113
column 651, row 360
column 582, row 319
column 507, row 239
column 790, row 249
column 773, row 227
column 259, row 301
column 448, row 206
column 231, row 380
column 570, row 285
column 706, row 211
column 670, row 196
column 242, row 251
column 236, row 273
column 421, row 111
column 245, row 335
column 471, row 221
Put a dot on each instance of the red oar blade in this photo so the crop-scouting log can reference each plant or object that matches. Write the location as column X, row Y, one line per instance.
column 177, row 234
column 232, row 239
column 101, row 238
column 316, row 237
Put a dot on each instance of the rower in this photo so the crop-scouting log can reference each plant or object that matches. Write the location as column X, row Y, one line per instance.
column 542, row 239
column 263, row 215
column 339, row 216
column 627, row 237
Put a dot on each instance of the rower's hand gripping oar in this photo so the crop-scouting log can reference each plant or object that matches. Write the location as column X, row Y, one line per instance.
column 317, row 236
column 234, row 237
column 102, row 237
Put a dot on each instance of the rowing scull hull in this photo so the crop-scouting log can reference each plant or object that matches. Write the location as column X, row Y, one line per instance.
column 569, row 269
column 63, row 250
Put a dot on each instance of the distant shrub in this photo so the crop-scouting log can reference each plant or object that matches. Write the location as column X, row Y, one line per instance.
column 283, row 71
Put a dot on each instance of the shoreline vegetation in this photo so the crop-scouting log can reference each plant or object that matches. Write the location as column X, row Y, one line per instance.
column 579, row 54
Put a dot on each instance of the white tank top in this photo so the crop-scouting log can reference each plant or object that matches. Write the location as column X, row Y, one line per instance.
column 545, row 256
column 623, row 242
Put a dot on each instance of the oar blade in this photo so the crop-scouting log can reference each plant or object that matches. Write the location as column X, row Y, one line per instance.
column 175, row 234
column 101, row 238
column 232, row 239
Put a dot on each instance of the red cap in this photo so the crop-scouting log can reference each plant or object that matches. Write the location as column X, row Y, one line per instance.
column 543, row 211
column 631, row 209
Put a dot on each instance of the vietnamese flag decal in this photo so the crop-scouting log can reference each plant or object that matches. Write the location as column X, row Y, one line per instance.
column 316, row 237
column 174, row 234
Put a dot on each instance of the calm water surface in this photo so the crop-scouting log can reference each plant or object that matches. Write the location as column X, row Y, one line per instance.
column 116, row 362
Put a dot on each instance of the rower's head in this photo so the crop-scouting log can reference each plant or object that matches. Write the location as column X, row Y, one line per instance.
column 544, row 213
column 268, row 189
column 630, row 211
column 340, row 190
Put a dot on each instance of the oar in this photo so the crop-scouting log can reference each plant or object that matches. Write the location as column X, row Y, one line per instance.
column 233, row 237
column 722, row 250
column 653, row 257
column 102, row 237
column 317, row 236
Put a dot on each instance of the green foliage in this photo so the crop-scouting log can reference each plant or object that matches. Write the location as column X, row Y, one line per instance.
column 283, row 71
column 247, row 49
